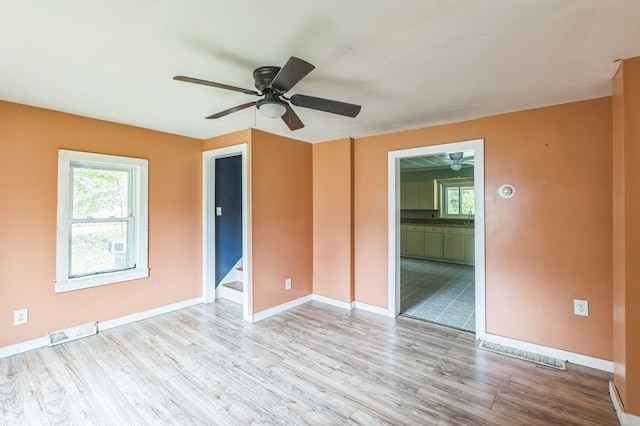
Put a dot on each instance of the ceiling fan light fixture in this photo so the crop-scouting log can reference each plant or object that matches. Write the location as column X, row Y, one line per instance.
column 272, row 83
column 456, row 166
column 272, row 108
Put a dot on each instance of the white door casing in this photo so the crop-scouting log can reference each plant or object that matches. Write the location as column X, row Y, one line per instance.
column 393, row 307
column 209, row 292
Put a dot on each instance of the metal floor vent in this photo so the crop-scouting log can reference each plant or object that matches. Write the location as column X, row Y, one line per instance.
column 527, row 356
column 73, row 333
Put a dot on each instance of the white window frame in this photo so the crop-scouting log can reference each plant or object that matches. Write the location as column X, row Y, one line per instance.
column 139, row 208
column 458, row 183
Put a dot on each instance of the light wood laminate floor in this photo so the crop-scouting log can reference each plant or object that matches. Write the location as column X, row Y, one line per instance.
column 314, row 364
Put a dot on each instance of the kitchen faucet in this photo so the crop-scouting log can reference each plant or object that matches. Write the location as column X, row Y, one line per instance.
column 469, row 220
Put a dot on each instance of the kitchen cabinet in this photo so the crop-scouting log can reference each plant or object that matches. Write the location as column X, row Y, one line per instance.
column 450, row 243
column 433, row 242
column 419, row 195
column 403, row 240
column 469, row 248
column 412, row 195
column 459, row 244
column 453, row 246
column 415, row 241
column 428, row 195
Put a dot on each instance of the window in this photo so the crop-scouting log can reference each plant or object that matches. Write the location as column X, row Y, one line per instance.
column 102, row 220
column 458, row 199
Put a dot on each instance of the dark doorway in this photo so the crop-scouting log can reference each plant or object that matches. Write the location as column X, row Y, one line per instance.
column 228, row 215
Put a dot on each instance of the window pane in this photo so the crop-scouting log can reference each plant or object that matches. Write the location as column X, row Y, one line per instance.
column 99, row 247
column 100, row 193
column 468, row 200
column 453, row 201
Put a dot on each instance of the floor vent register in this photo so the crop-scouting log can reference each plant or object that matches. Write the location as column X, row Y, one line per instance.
column 527, row 356
column 72, row 333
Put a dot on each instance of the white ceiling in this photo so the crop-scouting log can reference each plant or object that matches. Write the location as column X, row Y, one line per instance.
column 435, row 162
column 409, row 63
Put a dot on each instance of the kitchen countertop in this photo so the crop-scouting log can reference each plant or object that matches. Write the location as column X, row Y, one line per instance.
column 454, row 223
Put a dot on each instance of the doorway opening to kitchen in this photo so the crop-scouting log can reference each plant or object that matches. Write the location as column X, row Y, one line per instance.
column 436, row 234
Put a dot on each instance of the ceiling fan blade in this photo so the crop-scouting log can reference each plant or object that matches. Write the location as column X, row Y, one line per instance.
column 326, row 105
column 290, row 74
column 213, row 84
column 231, row 110
column 291, row 119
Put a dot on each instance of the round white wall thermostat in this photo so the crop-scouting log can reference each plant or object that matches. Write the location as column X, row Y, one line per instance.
column 507, row 191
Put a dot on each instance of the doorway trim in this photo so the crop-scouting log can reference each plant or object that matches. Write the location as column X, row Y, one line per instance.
column 479, row 231
column 209, row 292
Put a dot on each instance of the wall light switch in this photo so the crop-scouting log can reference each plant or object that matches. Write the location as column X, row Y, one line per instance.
column 287, row 284
column 218, row 211
column 581, row 307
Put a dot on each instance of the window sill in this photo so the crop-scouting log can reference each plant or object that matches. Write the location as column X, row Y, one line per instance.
column 101, row 279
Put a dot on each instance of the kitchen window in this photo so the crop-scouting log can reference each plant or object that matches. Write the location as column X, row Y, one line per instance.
column 458, row 199
column 102, row 220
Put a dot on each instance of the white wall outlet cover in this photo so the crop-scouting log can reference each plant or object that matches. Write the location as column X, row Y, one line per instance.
column 507, row 191
column 581, row 307
column 21, row 316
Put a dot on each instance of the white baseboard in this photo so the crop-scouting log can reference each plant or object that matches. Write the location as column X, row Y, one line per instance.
column 587, row 361
column 625, row 419
column 116, row 322
column 334, row 302
column 280, row 308
column 21, row 347
column 353, row 305
column 375, row 309
column 43, row 341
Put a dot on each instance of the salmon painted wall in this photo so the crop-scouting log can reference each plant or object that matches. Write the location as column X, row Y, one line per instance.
column 626, row 236
column 549, row 244
column 632, row 232
column 281, row 219
column 235, row 138
column 333, row 220
column 280, row 215
column 30, row 139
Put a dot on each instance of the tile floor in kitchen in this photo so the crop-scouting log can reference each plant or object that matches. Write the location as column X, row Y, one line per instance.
column 439, row 292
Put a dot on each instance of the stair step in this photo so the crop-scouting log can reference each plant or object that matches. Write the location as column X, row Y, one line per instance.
column 235, row 285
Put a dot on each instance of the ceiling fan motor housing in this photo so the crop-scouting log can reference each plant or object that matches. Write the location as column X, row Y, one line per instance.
column 263, row 77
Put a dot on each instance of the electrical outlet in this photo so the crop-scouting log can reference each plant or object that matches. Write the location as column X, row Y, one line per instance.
column 581, row 307
column 21, row 316
column 287, row 284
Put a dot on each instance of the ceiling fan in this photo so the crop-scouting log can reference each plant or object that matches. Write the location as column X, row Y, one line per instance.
column 458, row 159
column 272, row 83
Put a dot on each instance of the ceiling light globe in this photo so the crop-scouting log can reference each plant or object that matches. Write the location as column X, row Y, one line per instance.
column 456, row 166
column 272, row 109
